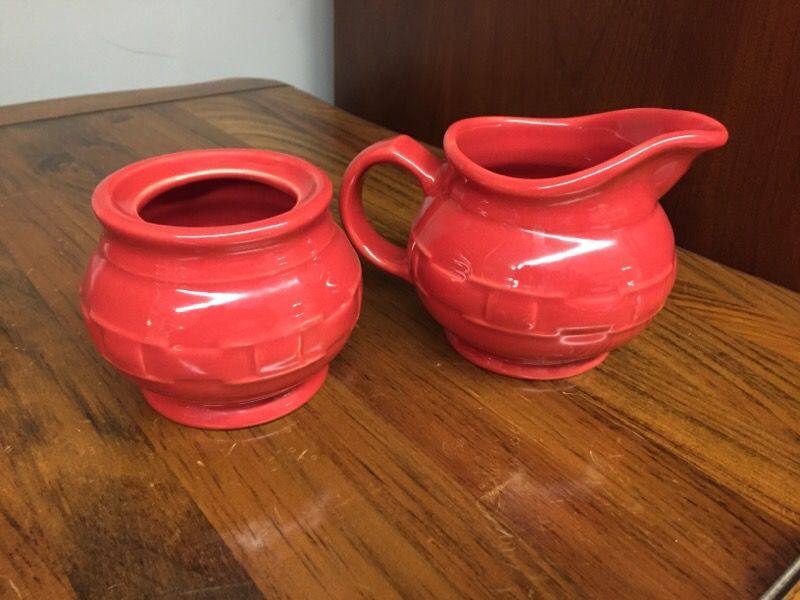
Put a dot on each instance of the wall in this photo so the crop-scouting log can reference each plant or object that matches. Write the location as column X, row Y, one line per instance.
column 417, row 65
column 53, row 48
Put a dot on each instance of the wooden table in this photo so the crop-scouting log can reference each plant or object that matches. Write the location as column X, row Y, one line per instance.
column 671, row 471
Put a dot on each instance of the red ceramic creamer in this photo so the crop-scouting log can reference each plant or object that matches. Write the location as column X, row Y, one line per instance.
column 541, row 244
column 221, row 284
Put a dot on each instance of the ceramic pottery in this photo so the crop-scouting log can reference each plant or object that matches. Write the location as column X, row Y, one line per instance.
column 540, row 245
column 221, row 285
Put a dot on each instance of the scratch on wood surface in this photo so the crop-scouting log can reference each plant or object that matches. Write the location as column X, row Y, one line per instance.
column 505, row 533
column 532, row 390
column 233, row 445
column 472, row 393
column 13, row 586
column 270, row 434
column 301, row 455
column 495, row 491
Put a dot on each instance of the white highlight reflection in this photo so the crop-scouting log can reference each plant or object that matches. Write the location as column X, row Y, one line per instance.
column 582, row 246
column 213, row 299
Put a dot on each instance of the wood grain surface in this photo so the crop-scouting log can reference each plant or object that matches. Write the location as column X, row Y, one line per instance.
column 671, row 471
column 416, row 66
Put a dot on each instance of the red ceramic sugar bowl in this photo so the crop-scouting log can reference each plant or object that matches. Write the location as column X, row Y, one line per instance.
column 221, row 285
column 541, row 244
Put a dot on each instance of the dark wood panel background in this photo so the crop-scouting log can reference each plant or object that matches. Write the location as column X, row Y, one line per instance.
column 417, row 65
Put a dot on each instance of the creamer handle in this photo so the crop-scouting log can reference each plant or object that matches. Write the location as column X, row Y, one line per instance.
column 402, row 151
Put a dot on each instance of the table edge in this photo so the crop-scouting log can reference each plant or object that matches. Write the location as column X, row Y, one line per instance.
column 14, row 114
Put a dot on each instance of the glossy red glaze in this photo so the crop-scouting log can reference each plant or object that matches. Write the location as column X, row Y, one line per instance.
column 541, row 244
column 221, row 284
